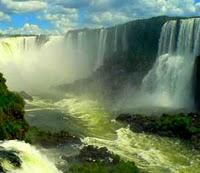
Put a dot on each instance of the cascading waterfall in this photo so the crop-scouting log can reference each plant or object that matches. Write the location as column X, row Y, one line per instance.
column 101, row 48
column 124, row 39
column 168, row 38
column 169, row 81
column 29, row 43
column 27, row 61
column 32, row 160
column 26, row 65
column 80, row 43
column 115, row 39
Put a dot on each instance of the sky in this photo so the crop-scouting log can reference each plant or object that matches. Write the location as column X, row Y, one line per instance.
column 59, row 16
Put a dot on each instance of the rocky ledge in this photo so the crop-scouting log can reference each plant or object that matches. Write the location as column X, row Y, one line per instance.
column 47, row 139
column 10, row 157
column 183, row 126
column 99, row 160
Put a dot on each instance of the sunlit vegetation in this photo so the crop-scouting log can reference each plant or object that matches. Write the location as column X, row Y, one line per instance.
column 12, row 123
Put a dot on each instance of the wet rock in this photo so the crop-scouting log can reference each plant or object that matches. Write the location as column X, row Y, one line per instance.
column 196, row 83
column 49, row 139
column 137, row 122
column 9, row 156
column 100, row 155
column 94, row 160
column 183, row 126
column 196, row 141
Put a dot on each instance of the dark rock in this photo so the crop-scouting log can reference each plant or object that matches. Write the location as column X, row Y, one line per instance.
column 11, row 157
column 26, row 96
column 94, row 160
column 100, row 155
column 49, row 139
column 196, row 83
column 196, row 141
column 183, row 126
column 137, row 122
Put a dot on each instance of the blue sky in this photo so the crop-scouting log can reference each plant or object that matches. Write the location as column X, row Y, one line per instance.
column 59, row 16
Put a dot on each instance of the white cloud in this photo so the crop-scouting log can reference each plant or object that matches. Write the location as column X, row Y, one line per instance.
column 110, row 12
column 62, row 18
column 28, row 29
column 4, row 17
column 108, row 18
column 24, row 6
column 70, row 14
column 148, row 8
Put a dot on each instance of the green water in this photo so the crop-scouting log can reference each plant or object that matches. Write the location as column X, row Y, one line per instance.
column 88, row 119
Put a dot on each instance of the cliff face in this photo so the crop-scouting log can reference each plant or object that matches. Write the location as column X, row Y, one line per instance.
column 196, row 83
column 130, row 42
column 12, row 123
column 121, row 55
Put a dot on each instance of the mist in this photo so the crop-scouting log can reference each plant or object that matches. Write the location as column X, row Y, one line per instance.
column 36, row 67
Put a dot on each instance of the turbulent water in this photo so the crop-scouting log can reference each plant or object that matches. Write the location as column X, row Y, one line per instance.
column 96, row 127
column 32, row 160
column 170, row 79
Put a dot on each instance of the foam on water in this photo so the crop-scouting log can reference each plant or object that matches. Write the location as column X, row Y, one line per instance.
column 170, row 79
column 150, row 152
column 32, row 159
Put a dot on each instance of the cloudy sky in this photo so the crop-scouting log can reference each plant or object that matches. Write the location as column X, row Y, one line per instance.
column 59, row 16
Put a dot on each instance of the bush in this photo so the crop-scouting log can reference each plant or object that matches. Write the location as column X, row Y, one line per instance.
column 12, row 123
column 180, row 125
column 99, row 160
column 121, row 167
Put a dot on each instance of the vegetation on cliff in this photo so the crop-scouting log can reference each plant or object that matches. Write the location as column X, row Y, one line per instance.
column 47, row 139
column 182, row 125
column 99, row 160
column 12, row 123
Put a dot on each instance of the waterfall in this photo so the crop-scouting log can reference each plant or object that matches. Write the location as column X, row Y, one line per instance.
column 29, row 43
column 12, row 48
column 167, row 39
column 101, row 48
column 186, row 38
column 169, row 81
column 124, row 39
column 32, row 159
column 95, row 45
column 81, row 41
column 115, row 39
column 33, row 67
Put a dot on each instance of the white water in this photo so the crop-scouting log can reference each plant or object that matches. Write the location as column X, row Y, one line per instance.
column 152, row 153
column 101, row 48
column 169, row 81
column 167, row 38
column 28, row 65
column 124, row 39
column 82, row 44
column 33, row 68
column 32, row 160
column 115, row 39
